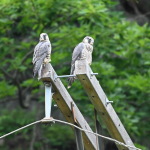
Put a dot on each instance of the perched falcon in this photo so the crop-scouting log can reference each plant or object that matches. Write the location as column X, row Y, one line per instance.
column 82, row 51
column 42, row 54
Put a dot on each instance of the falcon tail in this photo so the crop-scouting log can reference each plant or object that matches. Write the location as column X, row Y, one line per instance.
column 38, row 64
column 35, row 69
column 71, row 79
column 34, row 74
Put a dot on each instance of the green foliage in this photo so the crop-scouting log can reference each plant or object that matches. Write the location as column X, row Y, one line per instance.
column 121, row 57
column 12, row 120
column 59, row 136
column 5, row 86
column 141, row 147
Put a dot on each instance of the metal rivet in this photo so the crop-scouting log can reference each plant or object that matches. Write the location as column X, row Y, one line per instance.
column 93, row 96
column 57, row 98
column 68, row 116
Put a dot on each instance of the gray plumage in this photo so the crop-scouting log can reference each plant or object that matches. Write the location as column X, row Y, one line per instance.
column 75, row 56
column 41, row 54
column 83, row 51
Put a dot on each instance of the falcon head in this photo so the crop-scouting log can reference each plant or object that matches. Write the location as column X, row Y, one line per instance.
column 44, row 37
column 89, row 40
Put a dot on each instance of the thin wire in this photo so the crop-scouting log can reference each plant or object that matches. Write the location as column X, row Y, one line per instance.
column 120, row 143
column 75, row 127
column 20, row 129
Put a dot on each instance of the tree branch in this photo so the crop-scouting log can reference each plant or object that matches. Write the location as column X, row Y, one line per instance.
column 26, row 56
column 8, row 99
column 20, row 94
column 6, row 74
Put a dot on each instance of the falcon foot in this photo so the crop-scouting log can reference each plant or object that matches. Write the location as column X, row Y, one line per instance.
column 44, row 64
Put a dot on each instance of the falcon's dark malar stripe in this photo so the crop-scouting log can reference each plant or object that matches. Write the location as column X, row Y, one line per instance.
column 89, row 40
column 44, row 37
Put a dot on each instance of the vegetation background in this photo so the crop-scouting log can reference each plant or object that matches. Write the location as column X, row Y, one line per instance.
column 121, row 57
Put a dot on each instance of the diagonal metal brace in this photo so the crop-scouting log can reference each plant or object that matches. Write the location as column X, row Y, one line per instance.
column 78, row 133
column 98, row 130
column 67, row 76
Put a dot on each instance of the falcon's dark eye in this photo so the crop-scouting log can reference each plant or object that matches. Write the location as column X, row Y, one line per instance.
column 89, row 40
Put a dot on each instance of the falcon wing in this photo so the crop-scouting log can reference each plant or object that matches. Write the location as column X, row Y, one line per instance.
column 76, row 55
column 38, row 64
column 40, row 52
column 77, row 52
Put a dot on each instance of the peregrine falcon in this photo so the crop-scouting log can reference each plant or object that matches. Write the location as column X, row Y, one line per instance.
column 82, row 51
column 42, row 54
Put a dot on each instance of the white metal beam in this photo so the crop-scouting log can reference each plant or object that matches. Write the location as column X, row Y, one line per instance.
column 101, row 104
column 63, row 101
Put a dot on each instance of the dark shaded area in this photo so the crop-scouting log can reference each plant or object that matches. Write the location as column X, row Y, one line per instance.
column 139, row 8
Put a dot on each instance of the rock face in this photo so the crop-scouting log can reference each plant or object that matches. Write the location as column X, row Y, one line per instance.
column 136, row 10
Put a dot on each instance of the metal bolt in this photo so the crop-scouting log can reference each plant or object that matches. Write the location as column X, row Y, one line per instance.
column 107, row 101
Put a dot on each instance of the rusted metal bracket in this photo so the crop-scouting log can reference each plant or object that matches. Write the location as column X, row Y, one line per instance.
column 78, row 133
column 98, row 130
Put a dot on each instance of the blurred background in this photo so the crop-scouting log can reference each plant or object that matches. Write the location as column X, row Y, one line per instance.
column 121, row 56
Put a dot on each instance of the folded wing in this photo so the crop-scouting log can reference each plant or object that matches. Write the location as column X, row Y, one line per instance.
column 75, row 56
column 40, row 52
